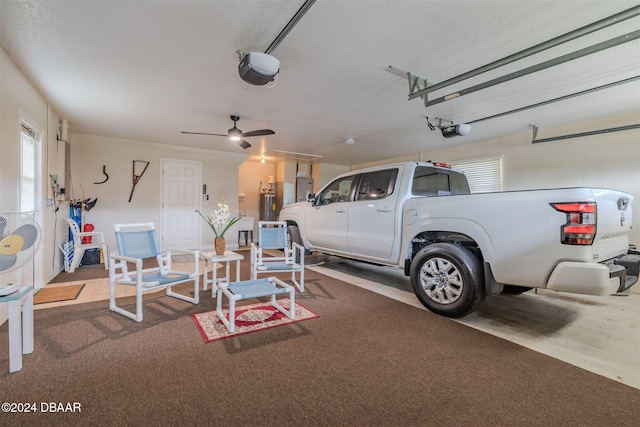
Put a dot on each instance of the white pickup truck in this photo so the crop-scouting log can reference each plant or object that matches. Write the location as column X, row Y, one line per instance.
column 459, row 247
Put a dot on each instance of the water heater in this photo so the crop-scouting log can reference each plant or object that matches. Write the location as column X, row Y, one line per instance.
column 268, row 207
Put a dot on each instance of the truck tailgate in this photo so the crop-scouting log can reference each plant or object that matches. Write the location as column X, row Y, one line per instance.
column 614, row 218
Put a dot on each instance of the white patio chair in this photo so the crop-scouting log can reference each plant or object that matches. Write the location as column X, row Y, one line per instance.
column 247, row 289
column 96, row 242
column 135, row 243
column 245, row 226
column 273, row 235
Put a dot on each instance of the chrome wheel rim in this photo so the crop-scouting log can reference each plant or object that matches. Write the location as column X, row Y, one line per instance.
column 441, row 281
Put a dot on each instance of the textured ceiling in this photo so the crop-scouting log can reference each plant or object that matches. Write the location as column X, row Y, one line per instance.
column 147, row 70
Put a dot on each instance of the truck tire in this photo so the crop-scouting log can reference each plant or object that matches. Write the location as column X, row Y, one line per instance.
column 294, row 237
column 447, row 279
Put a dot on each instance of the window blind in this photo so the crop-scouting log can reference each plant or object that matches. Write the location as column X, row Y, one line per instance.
column 484, row 175
column 28, row 171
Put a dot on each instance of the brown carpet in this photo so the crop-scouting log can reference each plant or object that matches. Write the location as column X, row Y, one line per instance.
column 82, row 273
column 57, row 294
column 367, row 360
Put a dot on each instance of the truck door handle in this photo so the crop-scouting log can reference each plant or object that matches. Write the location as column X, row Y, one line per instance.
column 340, row 210
column 385, row 209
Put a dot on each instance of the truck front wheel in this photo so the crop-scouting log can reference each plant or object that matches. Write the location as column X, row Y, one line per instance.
column 293, row 233
column 447, row 279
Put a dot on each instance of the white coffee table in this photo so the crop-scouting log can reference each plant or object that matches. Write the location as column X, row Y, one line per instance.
column 213, row 258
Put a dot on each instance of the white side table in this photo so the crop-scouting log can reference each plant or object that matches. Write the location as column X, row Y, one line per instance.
column 20, row 325
column 213, row 258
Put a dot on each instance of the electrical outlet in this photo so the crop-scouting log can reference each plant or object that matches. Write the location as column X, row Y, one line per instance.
column 54, row 180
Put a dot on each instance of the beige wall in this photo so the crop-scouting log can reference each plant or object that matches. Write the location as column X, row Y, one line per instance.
column 19, row 100
column 253, row 178
column 89, row 153
column 322, row 174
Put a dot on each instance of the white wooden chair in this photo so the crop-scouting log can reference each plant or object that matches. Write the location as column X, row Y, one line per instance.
column 96, row 242
column 273, row 235
column 135, row 243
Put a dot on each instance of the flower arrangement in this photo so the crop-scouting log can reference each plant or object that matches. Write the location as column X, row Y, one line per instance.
column 220, row 219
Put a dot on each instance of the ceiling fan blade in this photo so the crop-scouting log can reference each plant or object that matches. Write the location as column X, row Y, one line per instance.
column 258, row 133
column 202, row 133
column 244, row 144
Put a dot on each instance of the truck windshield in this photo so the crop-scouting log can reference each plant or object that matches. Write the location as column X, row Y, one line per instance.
column 430, row 181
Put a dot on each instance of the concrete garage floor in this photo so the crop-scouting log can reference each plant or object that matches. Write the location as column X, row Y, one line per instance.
column 599, row 334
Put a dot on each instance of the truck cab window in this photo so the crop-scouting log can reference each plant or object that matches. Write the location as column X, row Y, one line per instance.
column 431, row 182
column 337, row 191
column 376, row 185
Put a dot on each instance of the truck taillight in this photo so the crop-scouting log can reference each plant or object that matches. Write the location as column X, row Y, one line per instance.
column 580, row 228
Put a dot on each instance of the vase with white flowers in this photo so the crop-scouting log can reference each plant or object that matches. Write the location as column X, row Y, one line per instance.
column 220, row 222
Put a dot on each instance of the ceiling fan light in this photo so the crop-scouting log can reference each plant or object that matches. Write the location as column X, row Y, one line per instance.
column 235, row 134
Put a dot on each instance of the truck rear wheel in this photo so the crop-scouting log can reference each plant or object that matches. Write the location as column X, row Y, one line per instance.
column 447, row 279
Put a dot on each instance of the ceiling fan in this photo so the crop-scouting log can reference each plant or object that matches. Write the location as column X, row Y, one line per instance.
column 236, row 134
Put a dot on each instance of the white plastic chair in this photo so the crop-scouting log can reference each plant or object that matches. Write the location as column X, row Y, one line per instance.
column 79, row 248
column 135, row 243
column 247, row 289
column 245, row 226
column 273, row 235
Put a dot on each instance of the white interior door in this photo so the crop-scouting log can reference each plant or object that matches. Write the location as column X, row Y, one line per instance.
column 181, row 184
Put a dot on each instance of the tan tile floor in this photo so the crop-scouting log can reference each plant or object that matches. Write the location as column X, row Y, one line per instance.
column 98, row 289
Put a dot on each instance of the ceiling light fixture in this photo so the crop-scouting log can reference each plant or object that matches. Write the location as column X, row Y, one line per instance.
column 350, row 141
column 235, row 134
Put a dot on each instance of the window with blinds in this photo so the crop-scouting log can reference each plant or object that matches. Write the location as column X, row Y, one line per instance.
column 28, row 178
column 484, row 175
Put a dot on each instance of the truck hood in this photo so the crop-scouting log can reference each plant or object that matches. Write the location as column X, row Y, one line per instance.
column 292, row 212
column 294, row 205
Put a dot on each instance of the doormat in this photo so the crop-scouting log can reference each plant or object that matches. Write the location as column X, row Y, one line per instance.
column 250, row 318
column 57, row 294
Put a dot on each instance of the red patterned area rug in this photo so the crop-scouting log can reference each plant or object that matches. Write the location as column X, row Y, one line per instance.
column 250, row 318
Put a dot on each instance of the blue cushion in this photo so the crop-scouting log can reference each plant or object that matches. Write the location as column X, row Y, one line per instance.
column 278, row 266
column 164, row 279
column 137, row 244
column 255, row 288
column 272, row 238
